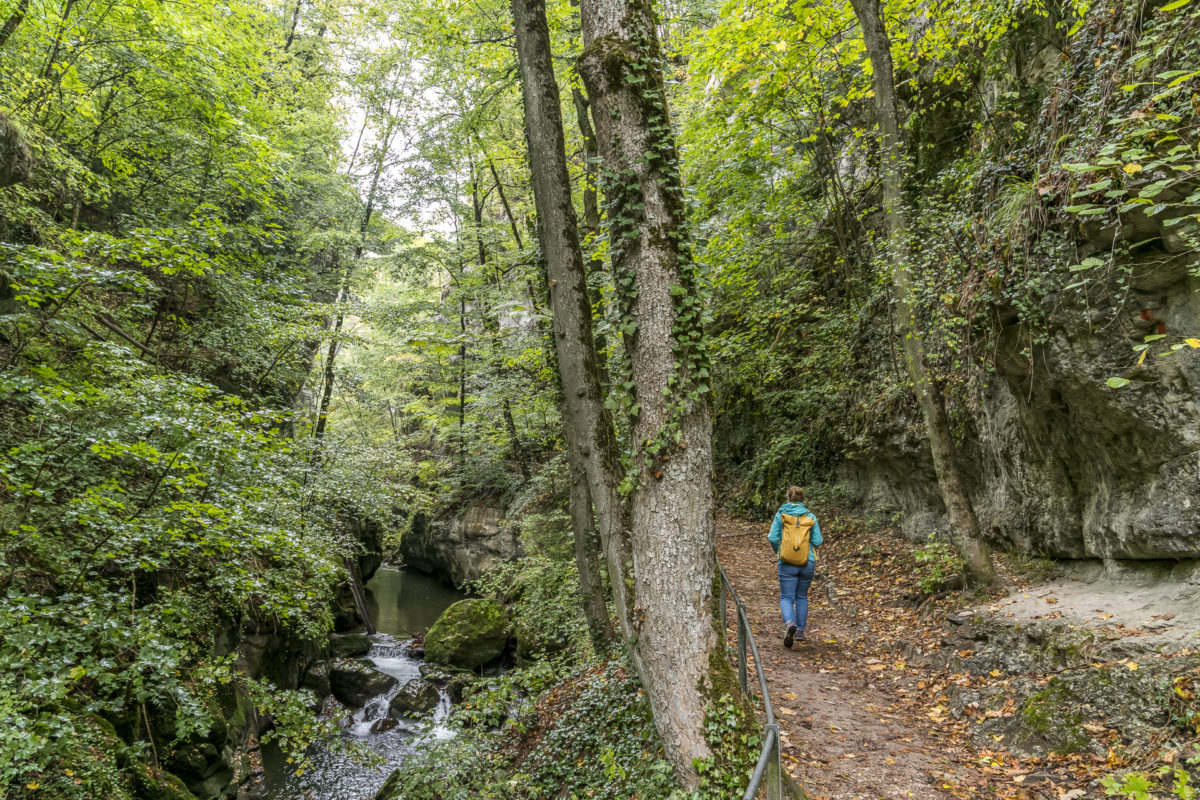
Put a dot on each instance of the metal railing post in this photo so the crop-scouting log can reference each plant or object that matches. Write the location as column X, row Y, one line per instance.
column 774, row 766
column 770, row 759
column 742, row 627
column 724, row 612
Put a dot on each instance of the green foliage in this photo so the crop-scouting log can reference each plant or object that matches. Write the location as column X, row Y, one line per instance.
column 937, row 562
column 591, row 736
column 1166, row 781
column 161, row 276
column 548, row 534
column 734, row 737
column 543, row 598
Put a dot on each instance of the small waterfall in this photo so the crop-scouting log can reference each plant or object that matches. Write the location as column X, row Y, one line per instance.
column 434, row 729
column 400, row 603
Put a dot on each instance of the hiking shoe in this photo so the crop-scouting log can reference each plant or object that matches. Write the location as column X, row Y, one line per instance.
column 800, row 637
column 790, row 637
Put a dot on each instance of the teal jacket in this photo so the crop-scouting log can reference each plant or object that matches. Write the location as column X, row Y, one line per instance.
column 794, row 509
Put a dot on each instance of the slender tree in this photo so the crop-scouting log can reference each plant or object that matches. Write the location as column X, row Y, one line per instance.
column 14, row 21
column 589, row 430
column 964, row 526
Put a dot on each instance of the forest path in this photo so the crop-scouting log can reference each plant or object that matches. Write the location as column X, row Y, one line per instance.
column 851, row 720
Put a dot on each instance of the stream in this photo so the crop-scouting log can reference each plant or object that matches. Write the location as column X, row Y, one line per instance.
column 401, row 603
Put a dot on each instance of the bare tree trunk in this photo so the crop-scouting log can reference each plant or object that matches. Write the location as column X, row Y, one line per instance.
column 344, row 289
column 591, row 152
column 331, row 355
column 295, row 23
column 588, row 425
column 516, row 448
column 658, row 289
column 964, row 526
column 591, row 214
column 512, row 220
column 587, row 547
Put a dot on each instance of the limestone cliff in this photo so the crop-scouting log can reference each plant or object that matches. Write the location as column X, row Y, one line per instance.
column 461, row 549
column 1063, row 464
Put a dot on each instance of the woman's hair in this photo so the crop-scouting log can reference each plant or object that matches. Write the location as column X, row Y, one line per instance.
column 795, row 494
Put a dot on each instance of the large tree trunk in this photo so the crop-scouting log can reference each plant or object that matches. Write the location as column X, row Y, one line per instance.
column 589, row 425
column 666, row 611
column 658, row 290
column 964, row 526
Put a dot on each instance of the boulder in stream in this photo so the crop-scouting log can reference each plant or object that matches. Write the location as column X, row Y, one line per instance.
column 458, row 686
column 355, row 682
column 316, row 680
column 468, row 634
column 384, row 725
column 415, row 697
column 349, row 645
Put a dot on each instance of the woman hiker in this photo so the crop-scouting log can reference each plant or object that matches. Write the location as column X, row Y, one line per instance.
column 795, row 536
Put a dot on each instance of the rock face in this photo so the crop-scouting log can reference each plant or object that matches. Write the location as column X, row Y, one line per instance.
column 1060, row 463
column 415, row 697
column 469, row 634
column 354, row 683
column 462, row 549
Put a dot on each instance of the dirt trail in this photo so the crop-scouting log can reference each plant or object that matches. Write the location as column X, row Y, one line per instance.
column 861, row 721
column 847, row 731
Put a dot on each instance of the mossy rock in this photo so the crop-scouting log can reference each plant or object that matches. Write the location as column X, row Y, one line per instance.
column 1053, row 715
column 349, row 645
column 151, row 785
column 391, row 787
column 316, row 680
column 468, row 634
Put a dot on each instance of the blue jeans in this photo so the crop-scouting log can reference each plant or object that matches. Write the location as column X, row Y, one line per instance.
column 793, row 592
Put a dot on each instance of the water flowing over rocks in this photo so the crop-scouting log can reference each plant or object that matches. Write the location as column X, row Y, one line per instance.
column 355, row 682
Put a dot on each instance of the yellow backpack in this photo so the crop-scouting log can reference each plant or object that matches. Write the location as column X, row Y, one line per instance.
column 797, row 532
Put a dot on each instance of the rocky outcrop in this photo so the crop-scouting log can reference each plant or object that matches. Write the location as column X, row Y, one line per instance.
column 16, row 160
column 464, row 548
column 1062, row 464
column 1074, row 682
column 415, row 697
column 215, row 763
column 356, row 682
column 469, row 634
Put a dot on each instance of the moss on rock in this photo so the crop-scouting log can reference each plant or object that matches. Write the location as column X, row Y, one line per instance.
column 469, row 634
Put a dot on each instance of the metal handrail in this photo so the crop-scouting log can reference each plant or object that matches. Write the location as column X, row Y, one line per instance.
column 769, row 765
